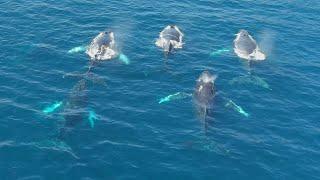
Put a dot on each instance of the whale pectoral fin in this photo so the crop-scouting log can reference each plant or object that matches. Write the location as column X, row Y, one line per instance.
column 55, row 144
column 175, row 96
column 250, row 79
column 219, row 52
column 123, row 58
column 77, row 49
column 52, row 108
column 92, row 118
column 234, row 106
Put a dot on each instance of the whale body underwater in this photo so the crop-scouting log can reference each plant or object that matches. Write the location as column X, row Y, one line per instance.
column 103, row 47
column 75, row 108
column 204, row 94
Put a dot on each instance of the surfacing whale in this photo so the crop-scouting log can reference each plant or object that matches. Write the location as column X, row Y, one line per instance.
column 170, row 38
column 204, row 94
column 103, row 47
column 246, row 47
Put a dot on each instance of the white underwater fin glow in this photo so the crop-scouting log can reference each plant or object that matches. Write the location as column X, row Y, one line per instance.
column 175, row 96
column 237, row 108
column 123, row 58
column 218, row 52
column 92, row 117
column 52, row 107
column 77, row 49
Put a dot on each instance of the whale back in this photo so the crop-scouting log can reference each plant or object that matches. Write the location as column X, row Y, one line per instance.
column 75, row 109
column 205, row 91
column 171, row 34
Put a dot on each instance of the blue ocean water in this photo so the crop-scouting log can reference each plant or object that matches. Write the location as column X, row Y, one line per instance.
column 134, row 136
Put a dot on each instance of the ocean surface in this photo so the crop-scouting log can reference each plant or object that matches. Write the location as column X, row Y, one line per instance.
column 135, row 137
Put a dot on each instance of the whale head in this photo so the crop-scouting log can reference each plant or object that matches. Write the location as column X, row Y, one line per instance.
column 207, row 77
column 242, row 34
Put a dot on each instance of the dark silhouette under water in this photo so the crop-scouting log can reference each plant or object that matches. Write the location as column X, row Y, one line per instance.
column 75, row 109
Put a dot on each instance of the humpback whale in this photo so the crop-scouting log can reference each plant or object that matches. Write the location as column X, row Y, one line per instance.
column 103, row 47
column 170, row 38
column 246, row 47
column 204, row 94
column 76, row 108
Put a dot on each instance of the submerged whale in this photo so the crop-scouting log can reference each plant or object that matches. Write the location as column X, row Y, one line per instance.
column 103, row 47
column 170, row 38
column 75, row 108
column 204, row 94
column 246, row 47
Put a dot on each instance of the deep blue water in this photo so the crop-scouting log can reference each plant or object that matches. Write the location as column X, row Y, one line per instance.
column 137, row 138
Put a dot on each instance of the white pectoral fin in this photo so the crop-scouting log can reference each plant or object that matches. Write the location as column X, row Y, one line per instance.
column 92, row 118
column 123, row 58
